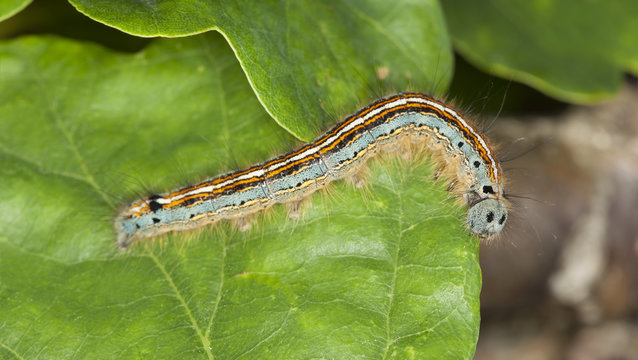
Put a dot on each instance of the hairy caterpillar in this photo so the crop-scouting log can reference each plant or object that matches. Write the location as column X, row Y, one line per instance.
column 334, row 155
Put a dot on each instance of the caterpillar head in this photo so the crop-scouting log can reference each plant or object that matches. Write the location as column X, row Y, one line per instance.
column 487, row 216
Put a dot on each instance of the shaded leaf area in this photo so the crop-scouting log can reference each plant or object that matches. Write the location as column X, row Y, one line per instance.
column 307, row 59
column 10, row 7
column 573, row 50
column 58, row 17
column 385, row 272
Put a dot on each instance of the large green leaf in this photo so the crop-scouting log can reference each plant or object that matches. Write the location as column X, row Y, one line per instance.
column 10, row 7
column 573, row 50
column 388, row 272
column 306, row 59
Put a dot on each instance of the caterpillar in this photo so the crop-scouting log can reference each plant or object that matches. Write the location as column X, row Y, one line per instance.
column 337, row 153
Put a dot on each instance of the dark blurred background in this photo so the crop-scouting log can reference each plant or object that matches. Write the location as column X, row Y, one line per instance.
column 562, row 282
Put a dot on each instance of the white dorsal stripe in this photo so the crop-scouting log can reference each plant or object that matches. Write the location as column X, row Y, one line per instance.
column 329, row 141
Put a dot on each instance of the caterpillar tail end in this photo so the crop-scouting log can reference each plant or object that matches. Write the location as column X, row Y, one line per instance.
column 124, row 241
column 124, row 238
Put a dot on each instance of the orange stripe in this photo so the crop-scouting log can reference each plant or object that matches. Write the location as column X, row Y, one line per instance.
column 334, row 131
column 441, row 114
column 215, row 192
column 477, row 144
column 212, row 182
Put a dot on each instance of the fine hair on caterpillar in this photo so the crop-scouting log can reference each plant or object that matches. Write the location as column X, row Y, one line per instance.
column 338, row 153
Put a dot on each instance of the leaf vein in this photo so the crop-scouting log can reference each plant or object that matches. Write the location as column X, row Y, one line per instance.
column 283, row 323
column 40, row 167
column 70, row 140
column 394, row 273
column 11, row 350
column 182, row 301
column 218, row 298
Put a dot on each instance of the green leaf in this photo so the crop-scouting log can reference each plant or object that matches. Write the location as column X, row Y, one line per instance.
column 573, row 50
column 9, row 8
column 307, row 59
column 385, row 272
